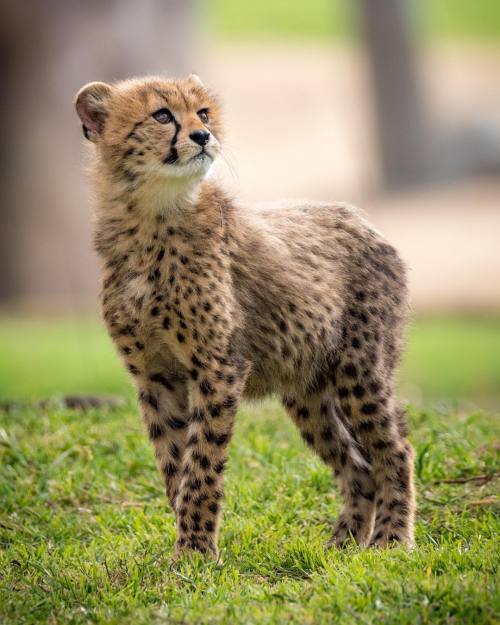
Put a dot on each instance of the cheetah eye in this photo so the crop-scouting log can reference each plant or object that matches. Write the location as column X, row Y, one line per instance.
column 203, row 115
column 163, row 116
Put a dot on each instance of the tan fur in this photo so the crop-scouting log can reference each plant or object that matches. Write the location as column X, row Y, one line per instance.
column 208, row 302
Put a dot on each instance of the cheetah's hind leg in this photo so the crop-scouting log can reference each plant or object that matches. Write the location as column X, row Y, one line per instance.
column 325, row 433
column 367, row 402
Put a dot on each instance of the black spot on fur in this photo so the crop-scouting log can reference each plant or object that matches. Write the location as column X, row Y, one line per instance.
column 358, row 391
column 327, row 434
column 221, row 439
column 288, row 402
column 197, row 362
column 204, row 462
column 149, row 399
column 170, row 469
column 366, row 426
column 161, row 379
column 303, row 412
column 206, row 388
column 219, row 468
column 175, row 451
column 176, row 423
column 308, row 437
column 350, row 370
column 369, row 408
column 195, row 484
column 214, row 410
column 229, row 401
column 155, row 431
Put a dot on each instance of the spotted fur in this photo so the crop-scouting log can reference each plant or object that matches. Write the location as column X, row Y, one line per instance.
column 209, row 302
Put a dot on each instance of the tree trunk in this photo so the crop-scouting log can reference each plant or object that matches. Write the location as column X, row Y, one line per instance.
column 49, row 50
column 401, row 128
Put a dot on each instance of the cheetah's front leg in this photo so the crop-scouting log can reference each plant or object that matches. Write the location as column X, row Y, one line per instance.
column 163, row 405
column 214, row 397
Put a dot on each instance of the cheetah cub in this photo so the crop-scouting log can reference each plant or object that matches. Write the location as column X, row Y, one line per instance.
column 208, row 303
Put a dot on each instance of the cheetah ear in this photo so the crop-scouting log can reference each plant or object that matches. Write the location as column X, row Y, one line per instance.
column 91, row 106
column 195, row 80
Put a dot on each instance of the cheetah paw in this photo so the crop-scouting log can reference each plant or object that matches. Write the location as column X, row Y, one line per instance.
column 185, row 549
column 348, row 530
column 390, row 538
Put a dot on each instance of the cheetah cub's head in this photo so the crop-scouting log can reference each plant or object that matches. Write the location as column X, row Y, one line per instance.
column 151, row 127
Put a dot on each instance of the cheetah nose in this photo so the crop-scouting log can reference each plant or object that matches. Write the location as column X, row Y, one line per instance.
column 200, row 137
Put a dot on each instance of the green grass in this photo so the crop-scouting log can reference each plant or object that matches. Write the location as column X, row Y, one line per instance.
column 85, row 535
column 453, row 358
column 41, row 357
column 335, row 19
column 448, row 359
column 262, row 19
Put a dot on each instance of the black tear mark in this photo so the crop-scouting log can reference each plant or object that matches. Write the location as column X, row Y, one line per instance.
column 173, row 157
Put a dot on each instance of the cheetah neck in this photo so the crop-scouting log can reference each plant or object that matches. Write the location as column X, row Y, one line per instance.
column 126, row 217
column 156, row 196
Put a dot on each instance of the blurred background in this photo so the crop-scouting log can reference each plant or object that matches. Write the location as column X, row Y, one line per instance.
column 390, row 104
